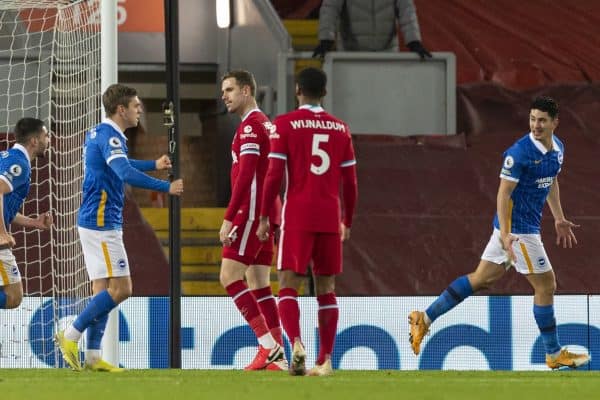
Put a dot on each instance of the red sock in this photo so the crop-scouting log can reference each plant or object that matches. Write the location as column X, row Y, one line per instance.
column 289, row 313
column 328, row 320
column 246, row 303
column 268, row 308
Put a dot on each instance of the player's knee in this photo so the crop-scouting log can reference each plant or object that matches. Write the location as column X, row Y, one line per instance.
column 324, row 286
column 13, row 300
column 258, row 276
column 546, row 290
column 288, row 279
column 121, row 293
column 224, row 278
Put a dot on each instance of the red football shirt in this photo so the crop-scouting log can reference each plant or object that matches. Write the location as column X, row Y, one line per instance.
column 316, row 147
column 249, row 151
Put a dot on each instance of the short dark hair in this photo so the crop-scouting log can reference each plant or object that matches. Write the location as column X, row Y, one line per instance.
column 545, row 104
column 312, row 82
column 26, row 128
column 117, row 95
column 243, row 78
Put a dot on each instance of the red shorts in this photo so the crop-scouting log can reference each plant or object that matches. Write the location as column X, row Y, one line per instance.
column 246, row 248
column 298, row 248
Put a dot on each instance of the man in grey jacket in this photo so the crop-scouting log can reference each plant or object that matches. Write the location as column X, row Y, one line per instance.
column 368, row 25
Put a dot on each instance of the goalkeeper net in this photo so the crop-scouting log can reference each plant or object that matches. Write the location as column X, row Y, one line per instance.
column 49, row 69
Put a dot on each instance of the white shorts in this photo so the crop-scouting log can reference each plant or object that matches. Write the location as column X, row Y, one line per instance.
column 529, row 249
column 9, row 272
column 104, row 253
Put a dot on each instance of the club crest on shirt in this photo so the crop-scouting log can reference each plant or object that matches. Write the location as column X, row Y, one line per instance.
column 15, row 170
column 541, row 261
column 509, row 162
column 247, row 129
column 114, row 142
column 93, row 134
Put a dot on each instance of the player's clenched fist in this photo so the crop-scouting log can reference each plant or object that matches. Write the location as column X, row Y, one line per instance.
column 44, row 221
column 263, row 229
column 164, row 162
column 176, row 187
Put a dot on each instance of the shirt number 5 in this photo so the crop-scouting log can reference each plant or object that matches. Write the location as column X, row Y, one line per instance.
column 322, row 154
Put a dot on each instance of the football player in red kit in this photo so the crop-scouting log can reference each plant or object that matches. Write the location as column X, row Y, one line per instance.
column 243, row 253
column 315, row 150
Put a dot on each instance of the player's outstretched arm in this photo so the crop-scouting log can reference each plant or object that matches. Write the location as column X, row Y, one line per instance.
column 563, row 227
column 132, row 176
column 43, row 221
column 143, row 165
column 163, row 162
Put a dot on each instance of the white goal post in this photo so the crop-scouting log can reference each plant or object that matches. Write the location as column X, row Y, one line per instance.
column 50, row 68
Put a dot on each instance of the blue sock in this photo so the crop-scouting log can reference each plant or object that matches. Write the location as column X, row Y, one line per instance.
column 95, row 332
column 2, row 298
column 544, row 316
column 100, row 305
column 458, row 290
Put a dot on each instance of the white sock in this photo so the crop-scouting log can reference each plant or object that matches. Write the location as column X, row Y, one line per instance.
column 267, row 341
column 72, row 334
column 92, row 356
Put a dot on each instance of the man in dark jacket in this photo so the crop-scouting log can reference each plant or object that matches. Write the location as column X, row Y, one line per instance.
column 368, row 26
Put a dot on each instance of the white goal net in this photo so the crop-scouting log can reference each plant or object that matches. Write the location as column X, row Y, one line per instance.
column 49, row 69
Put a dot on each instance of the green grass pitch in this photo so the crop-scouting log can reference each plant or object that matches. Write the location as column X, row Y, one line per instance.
column 63, row 384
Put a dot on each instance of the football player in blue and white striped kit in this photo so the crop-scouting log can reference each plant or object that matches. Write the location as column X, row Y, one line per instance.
column 528, row 179
column 100, row 222
column 32, row 140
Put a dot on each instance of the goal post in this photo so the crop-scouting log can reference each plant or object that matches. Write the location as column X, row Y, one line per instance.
column 50, row 68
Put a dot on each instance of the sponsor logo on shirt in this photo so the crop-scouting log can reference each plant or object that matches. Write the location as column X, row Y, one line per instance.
column 544, row 182
column 121, row 263
column 248, row 135
column 274, row 135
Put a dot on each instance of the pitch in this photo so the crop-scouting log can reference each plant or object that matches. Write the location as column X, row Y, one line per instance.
column 63, row 384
